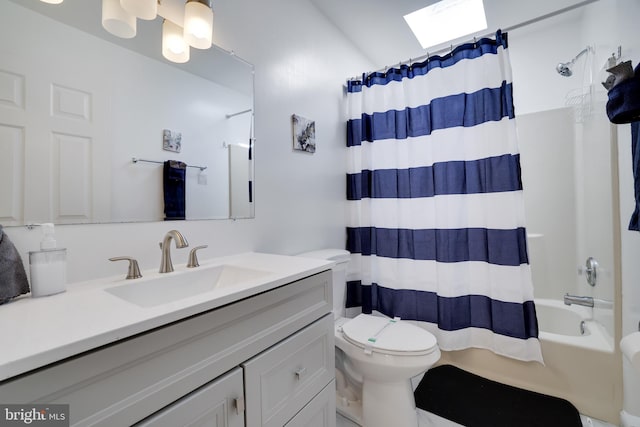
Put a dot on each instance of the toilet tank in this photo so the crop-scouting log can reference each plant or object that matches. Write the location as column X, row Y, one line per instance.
column 339, row 270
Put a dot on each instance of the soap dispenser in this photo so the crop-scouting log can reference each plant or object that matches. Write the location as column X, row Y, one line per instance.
column 48, row 266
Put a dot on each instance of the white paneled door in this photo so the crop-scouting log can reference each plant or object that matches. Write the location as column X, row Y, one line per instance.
column 53, row 136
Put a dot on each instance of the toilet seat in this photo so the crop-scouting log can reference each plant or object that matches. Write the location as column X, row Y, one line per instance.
column 388, row 336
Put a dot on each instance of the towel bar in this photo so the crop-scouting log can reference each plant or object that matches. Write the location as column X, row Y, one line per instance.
column 136, row 160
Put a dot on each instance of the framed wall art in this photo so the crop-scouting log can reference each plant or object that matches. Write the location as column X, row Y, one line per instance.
column 304, row 134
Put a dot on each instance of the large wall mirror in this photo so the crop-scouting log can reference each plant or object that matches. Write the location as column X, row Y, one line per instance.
column 77, row 105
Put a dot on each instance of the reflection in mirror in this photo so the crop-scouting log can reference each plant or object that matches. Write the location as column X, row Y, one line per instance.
column 78, row 104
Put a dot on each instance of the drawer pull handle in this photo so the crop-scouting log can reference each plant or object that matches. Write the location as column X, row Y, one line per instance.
column 300, row 373
column 239, row 404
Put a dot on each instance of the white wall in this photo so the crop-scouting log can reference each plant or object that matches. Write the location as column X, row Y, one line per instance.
column 535, row 51
column 613, row 23
column 549, row 144
column 546, row 149
column 301, row 62
column 300, row 197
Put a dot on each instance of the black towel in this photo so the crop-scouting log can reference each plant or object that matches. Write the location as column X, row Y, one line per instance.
column 623, row 105
column 13, row 278
column 174, row 178
column 635, row 156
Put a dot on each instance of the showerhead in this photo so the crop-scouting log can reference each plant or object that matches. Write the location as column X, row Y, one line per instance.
column 564, row 68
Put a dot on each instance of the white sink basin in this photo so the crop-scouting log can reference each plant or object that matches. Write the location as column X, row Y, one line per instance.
column 169, row 287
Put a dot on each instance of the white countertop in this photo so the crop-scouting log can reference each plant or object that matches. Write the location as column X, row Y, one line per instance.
column 40, row 331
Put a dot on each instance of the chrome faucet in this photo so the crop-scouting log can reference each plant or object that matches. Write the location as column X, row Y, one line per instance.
column 166, row 266
column 578, row 300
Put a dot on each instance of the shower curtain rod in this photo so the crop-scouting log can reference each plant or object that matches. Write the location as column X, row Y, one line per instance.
column 477, row 37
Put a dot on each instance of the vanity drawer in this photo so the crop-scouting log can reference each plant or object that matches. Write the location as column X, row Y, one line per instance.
column 217, row 404
column 320, row 412
column 282, row 380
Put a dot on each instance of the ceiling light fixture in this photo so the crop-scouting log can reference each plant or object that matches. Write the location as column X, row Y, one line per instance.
column 143, row 9
column 52, row 1
column 198, row 23
column 184, row 25
column 174, row 47
column 116, row 20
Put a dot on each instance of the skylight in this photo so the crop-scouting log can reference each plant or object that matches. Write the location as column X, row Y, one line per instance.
column 446, row 20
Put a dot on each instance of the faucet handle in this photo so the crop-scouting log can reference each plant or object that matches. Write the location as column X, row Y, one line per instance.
column 193, row 258
column 134, row 269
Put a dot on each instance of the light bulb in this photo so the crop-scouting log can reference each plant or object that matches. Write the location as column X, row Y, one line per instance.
column 198, row 24
column 117, row 21
column 174, row 47
column 143, row 9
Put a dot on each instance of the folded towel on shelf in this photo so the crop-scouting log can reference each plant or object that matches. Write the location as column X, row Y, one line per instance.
column 13, row 278
column 174, row 180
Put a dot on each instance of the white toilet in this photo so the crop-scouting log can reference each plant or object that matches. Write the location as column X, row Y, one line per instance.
column 376, row 357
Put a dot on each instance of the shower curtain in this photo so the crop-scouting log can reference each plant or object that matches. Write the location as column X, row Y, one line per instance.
column 436, row 214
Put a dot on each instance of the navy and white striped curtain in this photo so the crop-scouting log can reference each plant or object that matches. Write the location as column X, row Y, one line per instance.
column 436, row 213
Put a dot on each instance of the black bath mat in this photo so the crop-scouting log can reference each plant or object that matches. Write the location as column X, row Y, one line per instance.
column 474, row 401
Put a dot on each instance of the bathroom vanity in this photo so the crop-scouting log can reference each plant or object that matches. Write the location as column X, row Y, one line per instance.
column 257, row 351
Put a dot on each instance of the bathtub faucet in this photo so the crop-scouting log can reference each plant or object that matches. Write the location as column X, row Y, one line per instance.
column 578, row 300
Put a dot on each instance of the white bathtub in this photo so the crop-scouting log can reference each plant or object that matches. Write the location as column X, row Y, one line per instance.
column 578, row 366
column 571, row 325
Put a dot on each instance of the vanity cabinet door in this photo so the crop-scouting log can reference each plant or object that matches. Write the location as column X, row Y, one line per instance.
column 217, row 404
column 280, row 381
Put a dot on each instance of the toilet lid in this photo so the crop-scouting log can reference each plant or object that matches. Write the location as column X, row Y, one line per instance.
column 389, row 336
